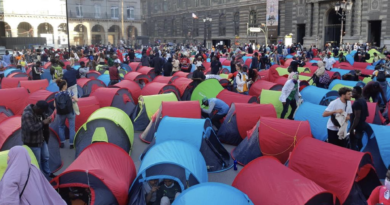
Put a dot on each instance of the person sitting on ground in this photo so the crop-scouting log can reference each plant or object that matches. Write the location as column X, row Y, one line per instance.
column 320, row 77
column 167, row 192
column 150, row 188
column 23, row 183
column 290, row 96
column 342, row 57
column 354, row 75
column 217, row 110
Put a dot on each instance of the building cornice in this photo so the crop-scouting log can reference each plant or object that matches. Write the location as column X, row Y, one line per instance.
column 32, row 16
column 104, row 20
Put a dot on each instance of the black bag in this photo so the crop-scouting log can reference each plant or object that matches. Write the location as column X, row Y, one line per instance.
column 64, row 104
column 381, row 77
column 334, row 120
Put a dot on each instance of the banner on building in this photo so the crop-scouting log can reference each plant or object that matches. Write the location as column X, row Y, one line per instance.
column 272, row 12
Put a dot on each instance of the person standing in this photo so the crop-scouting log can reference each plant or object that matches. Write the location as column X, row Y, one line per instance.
column 255, row 61
column 63, row 102
column 114, row 74
column 70, row 77
column 36, row 71
column 168, row 67
column 216, row 66
column 358, row 119
column 290, row 96
column 242, row 81
column 83, row 70
column 329, row 61
column 35, row 123
column 175, row 64
column 158, row 64
column 341, row 107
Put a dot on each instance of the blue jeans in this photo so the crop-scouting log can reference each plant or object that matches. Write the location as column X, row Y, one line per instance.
column 72, row 120
column 42, row 155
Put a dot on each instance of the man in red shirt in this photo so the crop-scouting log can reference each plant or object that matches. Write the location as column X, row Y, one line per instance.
column 185, row 64
column 114, row 73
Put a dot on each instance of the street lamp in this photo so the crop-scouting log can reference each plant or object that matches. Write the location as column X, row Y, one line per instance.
column 205, row 20
column 345, row 7
column 265, row 31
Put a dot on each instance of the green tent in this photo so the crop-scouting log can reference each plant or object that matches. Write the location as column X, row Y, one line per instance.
column 371, row 52
column 121, row 74
column 338, row 86
column 283, row 71
column 108, row 124
column 4, row 157
column 209, row 88
column 272, row 97
column 224, row 76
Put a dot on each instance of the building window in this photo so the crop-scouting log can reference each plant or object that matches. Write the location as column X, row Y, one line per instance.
column 114, row 12
column 184, row 26
column 79, row 10
column 196, row 3
column 222, row 25
column 237, row 24
column 195, row 27
column 97, row 11
column 252, row 19
column 173, row 31
column 130, row 12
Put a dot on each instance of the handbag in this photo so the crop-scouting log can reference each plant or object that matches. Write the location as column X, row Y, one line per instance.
column 76, row 108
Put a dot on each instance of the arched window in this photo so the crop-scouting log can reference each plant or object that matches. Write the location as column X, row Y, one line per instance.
column 253, row 19
column 237, row 24
column 222, row 25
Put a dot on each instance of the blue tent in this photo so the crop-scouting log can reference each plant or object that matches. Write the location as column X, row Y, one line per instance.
column 313, row 61
column 76, row 67
column 138, row 55
column 105, row 79
column 212, row 193
column 244, row 58
column 313, row 113
column 193, row 67
column 52, row 87
column 289, row 56
column 10, row 71
column 343, row 82
column 318, row 96
column 377, row 143
column 208, row 60
column 228, row 67
column 176, row 160
column 350, row 58
column 200, row 134
column 46, row 75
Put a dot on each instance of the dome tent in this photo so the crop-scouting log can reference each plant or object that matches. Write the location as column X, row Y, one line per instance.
column 115, row 97
column 175, row 160
column 89, row 85
column 105, row 169
column 19, row 95
column 200, row 134
column 108, row 124
column 132, row 87
column 184, row 109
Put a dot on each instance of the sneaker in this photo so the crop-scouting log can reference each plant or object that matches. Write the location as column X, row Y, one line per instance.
column 62, row 145
column 71, row 146
column 52, row 175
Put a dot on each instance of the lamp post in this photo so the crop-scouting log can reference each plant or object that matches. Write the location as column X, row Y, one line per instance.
column 345, row 7
column 265, row 31
column 205, row 20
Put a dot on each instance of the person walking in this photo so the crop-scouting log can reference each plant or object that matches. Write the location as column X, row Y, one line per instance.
column 35, row 133
column 216, row 66
column 255, row 61
column 339, row 110
column 71, row 77
column 290, row 96
column 63, row 102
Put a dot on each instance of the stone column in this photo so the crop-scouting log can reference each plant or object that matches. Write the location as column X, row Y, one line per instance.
column 309, row 22
column 316, row 19
column 348, row 23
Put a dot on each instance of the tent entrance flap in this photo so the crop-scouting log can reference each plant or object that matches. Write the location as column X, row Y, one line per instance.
column 100, row 135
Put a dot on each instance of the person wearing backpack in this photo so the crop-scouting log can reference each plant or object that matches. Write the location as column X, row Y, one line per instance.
column 63, row 102
column 340, row 106
column 242, row 81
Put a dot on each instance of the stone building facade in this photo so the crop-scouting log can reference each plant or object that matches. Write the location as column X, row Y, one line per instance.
column 305, row 21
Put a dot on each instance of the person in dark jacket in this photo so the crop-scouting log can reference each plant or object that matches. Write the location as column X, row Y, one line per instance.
column 198, row 76
column 168, row 67
column 34, row 122
column 158, row 64
column 216, row 66
column 295, row 64
column 71, row 77
column 131, row 55
column 145, row 60
column 233, row 65
column 36, row 71
column 264, row 61
column 255, row 61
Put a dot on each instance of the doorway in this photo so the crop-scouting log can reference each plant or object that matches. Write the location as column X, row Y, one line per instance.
column 301, row 31
column 374, row 33
column 333, row 28
column 111, row 39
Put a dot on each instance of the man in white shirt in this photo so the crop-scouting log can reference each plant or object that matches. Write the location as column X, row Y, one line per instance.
column 340, row 105
column 329, row 61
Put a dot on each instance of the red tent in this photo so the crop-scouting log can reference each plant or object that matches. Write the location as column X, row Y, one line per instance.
column 360, row 65
column 230, row 97
column 182, row 109
column 8, row 127
column 181, row 74
column 266, row 181
column 159, row 88
column 241, row 118
column 138, row 77
column 132, row 87
column 89, row 85
column 248, row 62
column 85, row 60
column 18, row 75
column 164, row 79
column 87, row 106
column 115, row 97
column 12, row 82
column 334, row 168
column 41, row 95
column 93, row 74
column 280, row 80
column 34, row 85
column 279, row 141
column 135, row 65
column 109, row 169
column 207, row 65
column 259, row 85
column 15, row 100
column 147, row 71
column 226, row 62
column 288, row 62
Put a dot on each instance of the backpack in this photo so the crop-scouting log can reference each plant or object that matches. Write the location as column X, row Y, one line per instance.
column 64, row 104
column 381, row 77
column 333, row 117
column 325, row 78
